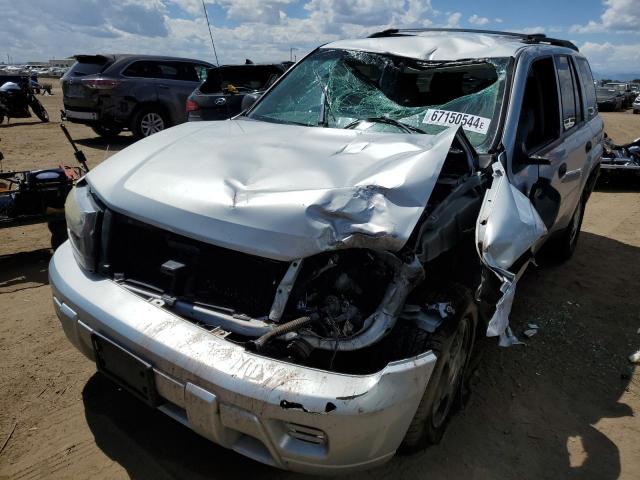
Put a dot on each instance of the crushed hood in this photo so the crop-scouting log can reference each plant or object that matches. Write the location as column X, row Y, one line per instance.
column 273, row 190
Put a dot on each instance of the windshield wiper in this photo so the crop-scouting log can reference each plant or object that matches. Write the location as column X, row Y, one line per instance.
column 389, row 121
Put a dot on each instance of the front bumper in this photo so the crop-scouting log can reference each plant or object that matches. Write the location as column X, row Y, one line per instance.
column 285, row 415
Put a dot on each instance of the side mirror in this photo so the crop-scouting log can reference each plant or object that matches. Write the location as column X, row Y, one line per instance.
column 248, row 100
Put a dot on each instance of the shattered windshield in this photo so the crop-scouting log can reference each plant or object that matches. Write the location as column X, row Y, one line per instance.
column 384, row 93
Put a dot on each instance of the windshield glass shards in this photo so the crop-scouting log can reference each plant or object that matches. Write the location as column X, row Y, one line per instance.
column 383, row 93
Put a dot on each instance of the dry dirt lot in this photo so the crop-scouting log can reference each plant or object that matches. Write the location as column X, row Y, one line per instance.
column 564, row 406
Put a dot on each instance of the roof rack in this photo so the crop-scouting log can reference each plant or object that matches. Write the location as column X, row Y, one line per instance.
column 524, row 37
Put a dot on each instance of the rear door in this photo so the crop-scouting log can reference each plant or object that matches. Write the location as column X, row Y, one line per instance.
column 590, row 102
column 570, row 160
column 177, row 81
column 138, row 85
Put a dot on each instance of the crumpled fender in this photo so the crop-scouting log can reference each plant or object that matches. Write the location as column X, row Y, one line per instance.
column 507, row 227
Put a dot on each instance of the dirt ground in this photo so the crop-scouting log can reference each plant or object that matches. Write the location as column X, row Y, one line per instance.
column 564, row 406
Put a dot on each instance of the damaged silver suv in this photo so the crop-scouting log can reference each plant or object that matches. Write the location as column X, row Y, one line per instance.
column 307, row 283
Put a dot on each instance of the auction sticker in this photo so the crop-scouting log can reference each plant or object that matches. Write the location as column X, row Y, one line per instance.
column 446, row 118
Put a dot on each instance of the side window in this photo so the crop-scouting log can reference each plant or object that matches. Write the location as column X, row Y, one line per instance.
column 590, row 101
column 168, row 71
column 142, row 69
column 539, row 123
column 187, row 72
column 570, row 101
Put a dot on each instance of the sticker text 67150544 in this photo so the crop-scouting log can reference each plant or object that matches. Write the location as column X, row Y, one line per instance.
column 467, row 121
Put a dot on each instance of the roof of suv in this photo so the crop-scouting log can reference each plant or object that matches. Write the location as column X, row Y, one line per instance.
column 446, row 44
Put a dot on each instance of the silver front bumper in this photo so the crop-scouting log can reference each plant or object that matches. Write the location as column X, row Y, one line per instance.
column 285, row 415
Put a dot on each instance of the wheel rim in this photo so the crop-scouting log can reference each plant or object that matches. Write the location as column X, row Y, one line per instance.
column 151, row 123
column 451, row 377
column 575, row 224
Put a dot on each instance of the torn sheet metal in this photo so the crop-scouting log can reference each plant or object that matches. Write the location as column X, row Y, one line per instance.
column 508, row 226
column 289, row 193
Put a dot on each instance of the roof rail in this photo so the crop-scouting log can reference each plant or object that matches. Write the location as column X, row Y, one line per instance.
column 524, row 37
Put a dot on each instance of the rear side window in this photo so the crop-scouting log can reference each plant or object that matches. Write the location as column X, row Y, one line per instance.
column 586, row 78
column 88, row 65
column 187, row 72
column 568, row 92
column 169, row 71
column 143, row 69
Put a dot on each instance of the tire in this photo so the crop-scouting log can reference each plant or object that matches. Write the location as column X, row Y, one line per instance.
column 149, row 120
column 562, row 247
column 107, row 132
column 452, row 344
column 1, row 119
column 39, row 110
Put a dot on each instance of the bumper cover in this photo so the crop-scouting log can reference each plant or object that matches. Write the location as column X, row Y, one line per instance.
column 285, row 415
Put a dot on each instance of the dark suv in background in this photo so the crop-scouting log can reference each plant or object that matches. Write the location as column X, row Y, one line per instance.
column 230, row 89
column 142, row 93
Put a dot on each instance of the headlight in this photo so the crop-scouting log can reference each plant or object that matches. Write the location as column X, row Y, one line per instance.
column 83, row 221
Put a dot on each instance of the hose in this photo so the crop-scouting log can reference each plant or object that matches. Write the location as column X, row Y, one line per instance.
column 282, row 329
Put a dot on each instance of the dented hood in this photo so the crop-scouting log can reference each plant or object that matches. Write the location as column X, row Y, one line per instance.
column 273, row 190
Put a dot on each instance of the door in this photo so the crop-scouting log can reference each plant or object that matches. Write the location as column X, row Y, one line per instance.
column 569, row 163
column 176, row 82
column 539, row 139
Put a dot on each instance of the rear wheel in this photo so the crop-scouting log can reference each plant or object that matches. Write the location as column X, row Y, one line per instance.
column 1, row 119
column 107, row 132
column 149, row 120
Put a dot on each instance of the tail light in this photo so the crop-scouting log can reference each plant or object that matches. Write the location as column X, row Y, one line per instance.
column 192, row 106
column 100, row 83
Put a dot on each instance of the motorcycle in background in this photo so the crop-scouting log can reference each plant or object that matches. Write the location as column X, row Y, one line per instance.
column 15, row 100
column 35, row 196
column 620, row 159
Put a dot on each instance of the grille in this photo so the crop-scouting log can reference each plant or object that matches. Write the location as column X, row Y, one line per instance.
column 213, row 275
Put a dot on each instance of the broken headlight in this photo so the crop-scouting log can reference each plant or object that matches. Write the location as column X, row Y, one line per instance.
column 83, row 219
column 341, row 289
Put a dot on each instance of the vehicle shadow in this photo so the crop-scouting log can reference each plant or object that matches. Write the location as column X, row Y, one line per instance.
column 24, row 270
column 100, row 143
column 533, row 412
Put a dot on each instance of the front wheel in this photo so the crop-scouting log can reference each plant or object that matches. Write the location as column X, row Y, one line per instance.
column 39, row 110
column 149, row 120
column 452, row 344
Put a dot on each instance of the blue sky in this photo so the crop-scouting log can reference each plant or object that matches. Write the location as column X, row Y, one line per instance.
column 607, row 31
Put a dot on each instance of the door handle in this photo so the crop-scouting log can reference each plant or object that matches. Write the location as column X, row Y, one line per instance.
column 562, row 170
column 587, row 147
